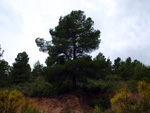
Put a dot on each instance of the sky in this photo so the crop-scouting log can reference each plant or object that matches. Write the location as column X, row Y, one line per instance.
column 124, row 26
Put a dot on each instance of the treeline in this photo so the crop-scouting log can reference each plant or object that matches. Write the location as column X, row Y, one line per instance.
column 74, row 74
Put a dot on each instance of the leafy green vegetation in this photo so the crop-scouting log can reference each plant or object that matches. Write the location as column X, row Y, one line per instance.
column 102, row 103
column 37, row 88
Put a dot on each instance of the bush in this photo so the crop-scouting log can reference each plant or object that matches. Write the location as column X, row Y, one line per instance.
column 123, row 102
column 102, row 103
column 114, row 86
column 11, row 101
column 144, row 99
column 97, row 110
column 29, row 107
column 95, row 85
column 38, row 88
column 133, row 85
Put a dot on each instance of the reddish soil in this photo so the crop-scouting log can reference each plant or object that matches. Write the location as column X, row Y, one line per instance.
column 63, row 104
column 134, row 96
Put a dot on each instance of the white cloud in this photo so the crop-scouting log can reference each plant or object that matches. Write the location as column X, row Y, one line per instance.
column 124, row 26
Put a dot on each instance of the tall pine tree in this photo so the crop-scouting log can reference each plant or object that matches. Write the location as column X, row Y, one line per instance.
column 21, row 70
column 74, row 37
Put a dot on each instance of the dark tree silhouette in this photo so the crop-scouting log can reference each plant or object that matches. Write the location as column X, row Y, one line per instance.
column 21, row 70
column 4, row 70
column 73, row 38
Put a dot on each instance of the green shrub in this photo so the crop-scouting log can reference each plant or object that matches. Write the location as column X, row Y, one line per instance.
column 29, row 107
column 103, row 102
column 97, row 110
column 38, row 88
column 133, row 85
column 95, row 86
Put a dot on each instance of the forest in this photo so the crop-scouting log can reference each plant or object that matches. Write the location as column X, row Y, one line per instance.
column 70, row 69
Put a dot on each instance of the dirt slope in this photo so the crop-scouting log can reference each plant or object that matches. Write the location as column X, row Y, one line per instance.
column 62, row 104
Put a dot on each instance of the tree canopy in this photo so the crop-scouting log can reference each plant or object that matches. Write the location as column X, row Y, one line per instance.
column 38, row 69
column 21, row 69
column 73, row 37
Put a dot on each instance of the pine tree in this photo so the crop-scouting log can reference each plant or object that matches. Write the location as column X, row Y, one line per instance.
column 21, row 70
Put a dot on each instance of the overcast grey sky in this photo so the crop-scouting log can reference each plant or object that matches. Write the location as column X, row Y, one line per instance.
column 124, row 26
